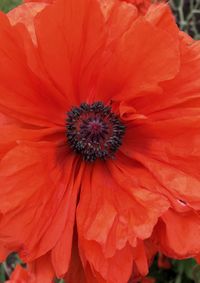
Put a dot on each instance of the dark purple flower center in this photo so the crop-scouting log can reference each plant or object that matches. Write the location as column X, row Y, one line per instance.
column 94, row 131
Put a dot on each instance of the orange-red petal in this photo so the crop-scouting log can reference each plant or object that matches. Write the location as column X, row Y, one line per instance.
column 138, row 63
column 20, row 275
column 25, row 14
column 111, row 218
column 170, row 230
column 30, row 99
column 38, row 226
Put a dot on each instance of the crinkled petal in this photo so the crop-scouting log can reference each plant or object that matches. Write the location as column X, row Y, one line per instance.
column 20, row 275
column 29, row 99
column 38, row 208
column 25, row 14
column 161, row 16
column 145, row 205
column 180, row 93
column 178, row 234
column 111, row 217
column 131, row 64
column 61, row 253
column 116, row 269
column 78, row 47
column 142, row 5
column 170, row 151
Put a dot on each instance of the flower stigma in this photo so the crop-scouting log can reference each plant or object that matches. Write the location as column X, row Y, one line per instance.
column 94, row 131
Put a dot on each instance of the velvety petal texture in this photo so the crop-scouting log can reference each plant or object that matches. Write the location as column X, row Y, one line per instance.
column 142, row 5
column 101, row 221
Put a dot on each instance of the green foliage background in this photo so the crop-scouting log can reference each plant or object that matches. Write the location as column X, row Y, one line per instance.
column 184, row 271
column 6, row 5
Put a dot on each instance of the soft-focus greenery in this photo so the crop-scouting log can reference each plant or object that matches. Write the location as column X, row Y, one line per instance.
column 6, row 5
column 185, row 271
column 187, row 14
column 181, row 271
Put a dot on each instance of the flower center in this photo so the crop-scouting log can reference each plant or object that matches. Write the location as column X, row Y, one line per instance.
column 94, row 131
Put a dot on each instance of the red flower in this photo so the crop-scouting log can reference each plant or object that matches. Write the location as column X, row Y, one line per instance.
column 86, row 197
column 142, row 5
column 20, row 275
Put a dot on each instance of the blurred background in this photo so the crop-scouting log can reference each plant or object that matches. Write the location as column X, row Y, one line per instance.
column 6, row 5
column 163, row 270
column 187, row 14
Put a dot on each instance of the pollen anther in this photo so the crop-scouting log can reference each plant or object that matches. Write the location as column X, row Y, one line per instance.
column 94, row 131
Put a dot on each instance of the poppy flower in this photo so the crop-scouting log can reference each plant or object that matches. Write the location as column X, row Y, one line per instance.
column 20, row 275
column 100, row 153
column 142, row 5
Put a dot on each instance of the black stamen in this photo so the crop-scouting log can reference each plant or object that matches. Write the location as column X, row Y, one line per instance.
column 94, row 131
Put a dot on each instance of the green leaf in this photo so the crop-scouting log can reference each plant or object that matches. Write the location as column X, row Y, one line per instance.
column 196, row 274
column 2, row 274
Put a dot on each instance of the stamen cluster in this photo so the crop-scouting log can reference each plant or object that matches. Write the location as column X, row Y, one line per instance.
column 94, row 131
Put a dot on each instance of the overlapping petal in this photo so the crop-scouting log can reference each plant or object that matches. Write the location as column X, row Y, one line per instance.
column 25, row 14
column 111, row 218
column 20, row 275
column 30, row 99
column 165, row 143
column 59, row 56
column 170, row 230
column 137, row 64
column 38, row 210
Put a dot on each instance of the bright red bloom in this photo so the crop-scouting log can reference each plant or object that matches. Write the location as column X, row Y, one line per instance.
column 142, row 5
column 101, row 221
column 20, row 275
